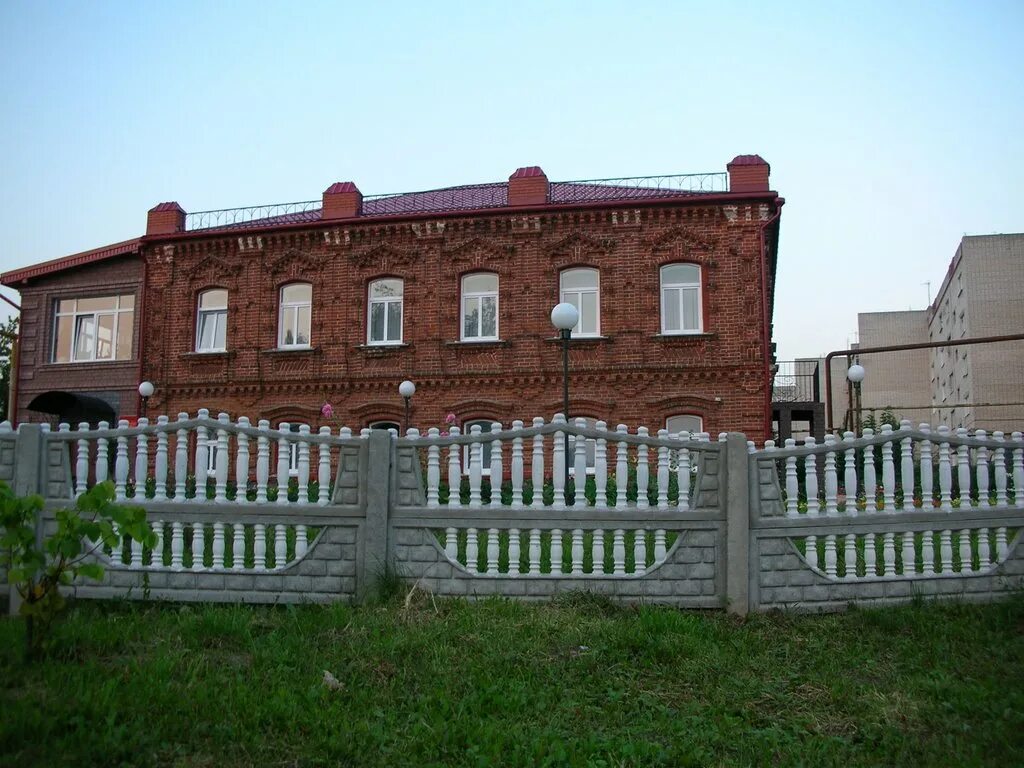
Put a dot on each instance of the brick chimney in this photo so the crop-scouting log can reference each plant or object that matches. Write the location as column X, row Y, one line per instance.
column 528, row 186
column 748, row 173
column 342, row 200
column 165, row 219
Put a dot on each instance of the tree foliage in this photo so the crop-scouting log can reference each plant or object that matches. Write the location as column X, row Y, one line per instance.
column 8, row 330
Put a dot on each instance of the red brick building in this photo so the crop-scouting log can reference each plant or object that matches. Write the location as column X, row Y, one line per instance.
column 271, row 312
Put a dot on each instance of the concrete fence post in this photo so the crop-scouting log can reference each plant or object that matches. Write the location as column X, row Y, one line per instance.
column 374, row 560
column 28, row 473
column 737, row 525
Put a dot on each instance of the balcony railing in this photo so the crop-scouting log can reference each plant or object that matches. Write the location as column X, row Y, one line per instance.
column 797, row 381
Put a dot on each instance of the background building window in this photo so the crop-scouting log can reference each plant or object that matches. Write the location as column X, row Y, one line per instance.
column 485, row 454
column 580, row 287
column 684, row 422
column 480, row 307
column 591, row 447
column 680, row 298
column 385, row 318
column 386, row 426
column 94, row 329
column 212, row 321
column 295, row 315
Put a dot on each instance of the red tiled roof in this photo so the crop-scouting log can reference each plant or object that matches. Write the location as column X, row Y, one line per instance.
column 74, row 260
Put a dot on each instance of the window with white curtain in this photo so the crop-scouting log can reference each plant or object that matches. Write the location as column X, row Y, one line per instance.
column 580, row 286
column 680, row 299
column 480, row 307
column 384, row 322
column 212, row 321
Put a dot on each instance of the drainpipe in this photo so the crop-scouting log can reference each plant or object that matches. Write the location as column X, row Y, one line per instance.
column 142, row 331
column 766, row 335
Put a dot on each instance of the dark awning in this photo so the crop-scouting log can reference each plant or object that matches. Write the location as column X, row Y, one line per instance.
column 73, row 407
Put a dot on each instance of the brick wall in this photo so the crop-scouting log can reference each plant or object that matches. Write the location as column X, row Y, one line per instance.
column 634, row 375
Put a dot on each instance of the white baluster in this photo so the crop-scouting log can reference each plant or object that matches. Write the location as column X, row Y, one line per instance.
column 537, row 469
column 197, row 545
column 136, row 554
column 945, row 473
column 576, row 553
column 999, row 468
column 683, row 474
column 643, row 472
column 963, row 469
column 870, row 478
column 621, row 470
column 492, row 551
column 557, row 566
column 907, row 553
column 180, row 461
column 517, row 474
column 792, row 484
column 433, row 467
column 454, row 471
column 1001, row 544
column 907, row 466
column 513, row 551
column 850, row 556
column 597, row 552
column 121, row 464
column 946, row 551
column 202, row 457
column 451, row 543
column 301, row 541
column 1018, row 469
column 323, row 469
column 242, row 462
column 497, row 467
column 888, row 471
column 811, row 479
column 141, row 460
column 262, row 461
column 639, row 550
column 238, row 547
column 534, row 564
column 659, row 546
column 831, row 477
column 663, row 471
column 579, row 449
column 811, row 551
column 220, row 461
column 928, row 553
column 984, row 550
column 284, row 455
column 830, row 553
column 177, row 545
column 889, row 554
column 966, row 560
column 82, row 461
column 218, row 545
column 259, row 545
column 619, row 552
column 156, row 554
column 472, row 551
column 927, row 483
column 160, row 466
column 850, row 474
column 558, row 463
column 102, row 455
column 280, row 546
column 870, row 555
column 475, row 467
column 981, row 465
column 601, row 467
column 303, row 463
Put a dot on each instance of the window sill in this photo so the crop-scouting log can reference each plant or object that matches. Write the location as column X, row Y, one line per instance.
column 290, row 350
column 580, row 339
column 684, row 336
column 211, row 355
column 78, row 364
column 382, row 348
column 485, row 343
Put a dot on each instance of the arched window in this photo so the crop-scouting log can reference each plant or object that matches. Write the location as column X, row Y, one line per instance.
column 386, row 426
column 212, row 321
column 384, row 321
column 485, row 453
column 295, row 315
column 580, row 287
column 684, row 422
column 680, row 299
column 480, row 307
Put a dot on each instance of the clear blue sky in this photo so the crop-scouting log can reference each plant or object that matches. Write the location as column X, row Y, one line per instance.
column 892, row 128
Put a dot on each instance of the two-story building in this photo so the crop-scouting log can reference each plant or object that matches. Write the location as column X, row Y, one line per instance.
column 273, row 311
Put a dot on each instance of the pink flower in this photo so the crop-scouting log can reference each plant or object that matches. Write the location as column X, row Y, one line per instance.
column 450, row 419
column 327, row 410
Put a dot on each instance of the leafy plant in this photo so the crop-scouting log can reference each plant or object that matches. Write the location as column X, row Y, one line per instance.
column 38, row 566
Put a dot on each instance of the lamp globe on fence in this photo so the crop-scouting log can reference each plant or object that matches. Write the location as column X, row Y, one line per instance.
column 406, row 389
column 564, row 317
column 146, row 390
column 855, row 375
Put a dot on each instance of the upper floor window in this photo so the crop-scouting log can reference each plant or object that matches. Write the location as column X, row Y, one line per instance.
column 580, row 287
column 385, row 319
column 212, row 321
column 684, row 422
column 485, row 447
column 295, row 315
column 99, row 328
column 480, row 307
column 680, row 298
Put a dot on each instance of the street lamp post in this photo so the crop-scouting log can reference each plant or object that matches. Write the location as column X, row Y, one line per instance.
column 564, row 317
column 855, row 375
column 406, row 389
column 146, row 390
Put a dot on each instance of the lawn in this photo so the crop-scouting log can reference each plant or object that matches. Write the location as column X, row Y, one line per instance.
column 577, row 682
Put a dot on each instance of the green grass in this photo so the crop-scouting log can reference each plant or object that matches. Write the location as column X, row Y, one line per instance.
column 577, row 682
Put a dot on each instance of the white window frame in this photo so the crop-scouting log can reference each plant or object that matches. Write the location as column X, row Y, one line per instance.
column 485, row 452
column 386, row 302
column 220, row 317
column 682, row 288
column 118, row 312
column 479, row 295
column 673, row 433
column 574, row 296
column 292, row 308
